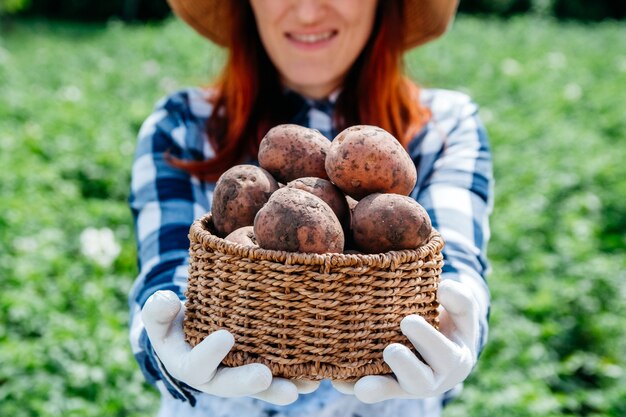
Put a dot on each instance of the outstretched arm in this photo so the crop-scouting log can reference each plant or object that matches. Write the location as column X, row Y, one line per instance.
column 455, row 187
column 165, row 201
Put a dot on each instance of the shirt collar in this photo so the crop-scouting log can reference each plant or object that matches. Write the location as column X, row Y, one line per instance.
column 316, row 114
column 298, row 101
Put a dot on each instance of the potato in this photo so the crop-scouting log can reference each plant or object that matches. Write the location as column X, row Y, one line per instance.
column 291, row 151
column 239, row 193
column 297, row 221
column 243, row 235
column 364, row 159
column 349, row 242
column 328, row 192
column 385, row 222
column 351, row 203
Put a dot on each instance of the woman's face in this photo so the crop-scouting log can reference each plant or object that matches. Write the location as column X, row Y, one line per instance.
column 313, row 43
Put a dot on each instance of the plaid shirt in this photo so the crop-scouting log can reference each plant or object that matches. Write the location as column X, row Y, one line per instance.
column 454, row 185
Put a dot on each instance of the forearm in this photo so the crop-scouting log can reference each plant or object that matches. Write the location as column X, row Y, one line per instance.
column 164, row 202
column 465, row 230
column 457, row 193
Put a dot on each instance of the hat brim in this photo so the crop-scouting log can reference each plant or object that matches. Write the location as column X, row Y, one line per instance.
column 424, row 20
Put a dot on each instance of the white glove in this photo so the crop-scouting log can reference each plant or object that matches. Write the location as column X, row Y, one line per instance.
column 449, row 354
column 199, row 367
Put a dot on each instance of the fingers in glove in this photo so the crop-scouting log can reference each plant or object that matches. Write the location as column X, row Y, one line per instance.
column 163, row 316
column 439, row 352
column 412, row 374
column 375, row 388
column 240, row 381
column 344, row 387
column 462, row 311
column 280, row 392
column 158, row 313
column 172, row 349
column 305, row 386
column 200, row 364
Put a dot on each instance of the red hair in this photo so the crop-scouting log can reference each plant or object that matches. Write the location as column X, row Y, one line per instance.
column 249, row 99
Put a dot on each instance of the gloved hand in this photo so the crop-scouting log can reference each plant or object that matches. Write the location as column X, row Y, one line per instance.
column 200, row 368
column 449, row 354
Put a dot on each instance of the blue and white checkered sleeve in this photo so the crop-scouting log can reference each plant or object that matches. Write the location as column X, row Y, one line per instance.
column 458, row 195
column 164, row 202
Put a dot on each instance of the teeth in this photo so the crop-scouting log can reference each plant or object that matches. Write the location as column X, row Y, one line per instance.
column 313, row 37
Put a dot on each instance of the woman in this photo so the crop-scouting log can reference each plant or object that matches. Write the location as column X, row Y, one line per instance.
column 325, row 64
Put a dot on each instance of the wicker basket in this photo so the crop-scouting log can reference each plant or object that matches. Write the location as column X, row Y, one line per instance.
column 308, row 316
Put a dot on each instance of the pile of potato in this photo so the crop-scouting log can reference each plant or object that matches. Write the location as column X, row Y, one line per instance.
column 317, row 196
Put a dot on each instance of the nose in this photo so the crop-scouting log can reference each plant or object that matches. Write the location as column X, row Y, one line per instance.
column 310, row 11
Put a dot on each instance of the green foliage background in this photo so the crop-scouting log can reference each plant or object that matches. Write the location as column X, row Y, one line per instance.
column 72, row 98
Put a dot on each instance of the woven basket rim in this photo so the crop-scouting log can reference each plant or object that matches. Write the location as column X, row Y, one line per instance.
column 200, row 232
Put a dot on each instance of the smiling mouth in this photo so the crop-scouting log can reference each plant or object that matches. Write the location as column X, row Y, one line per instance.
column 312, row 38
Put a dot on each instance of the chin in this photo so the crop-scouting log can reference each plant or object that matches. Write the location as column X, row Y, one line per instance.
column 313, row 85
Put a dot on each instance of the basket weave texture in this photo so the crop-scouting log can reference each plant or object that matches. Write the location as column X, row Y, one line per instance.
column 304, row 315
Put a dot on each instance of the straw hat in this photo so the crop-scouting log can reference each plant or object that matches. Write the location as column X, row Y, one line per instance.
column 425, row 19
